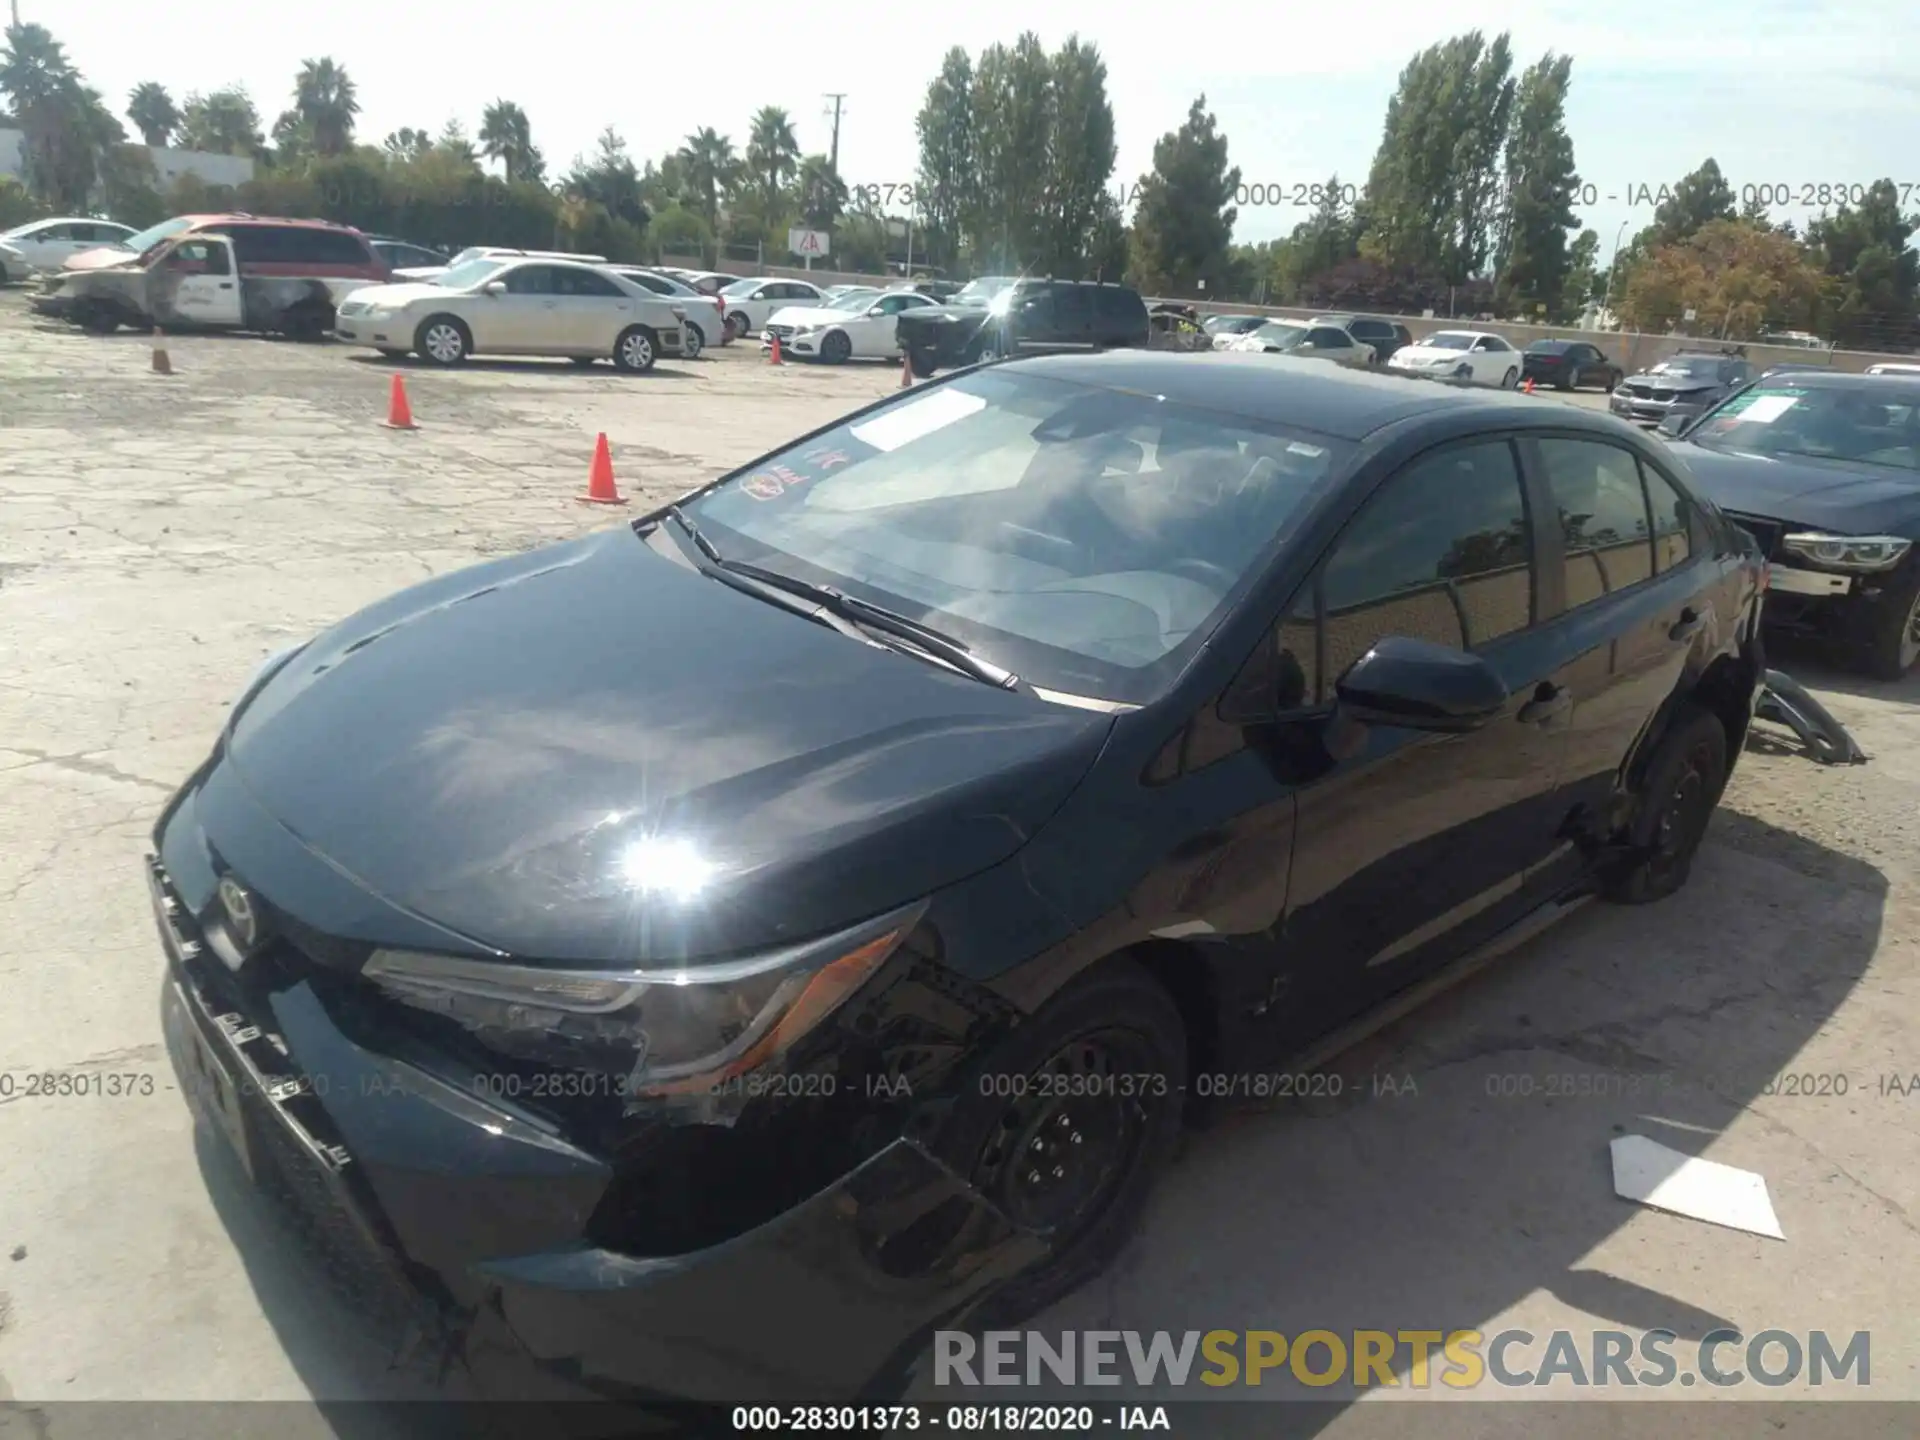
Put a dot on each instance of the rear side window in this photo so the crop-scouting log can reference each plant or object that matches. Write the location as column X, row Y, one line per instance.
column 1603, row 517
column 1327, row 335
column 1673, row 521
column 1440, row 553
column 587, row 282
column 1114, row 302
column 1072, row 305
column 297, row 245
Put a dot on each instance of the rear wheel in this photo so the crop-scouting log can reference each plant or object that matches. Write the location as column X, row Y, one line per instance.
column 921, row 365
column 97, row 319
column 1681, row 786
column 737, row 325
column 1068, row 1122
column 1510, row 379
column 693, row 341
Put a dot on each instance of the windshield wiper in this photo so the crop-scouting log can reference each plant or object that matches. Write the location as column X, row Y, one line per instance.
column 740, row 578
column 843, row 612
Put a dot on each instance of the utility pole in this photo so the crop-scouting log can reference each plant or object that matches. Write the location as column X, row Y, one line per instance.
column 833, row 154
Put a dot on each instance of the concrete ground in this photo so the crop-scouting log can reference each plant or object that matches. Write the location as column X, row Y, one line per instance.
column 159, row 536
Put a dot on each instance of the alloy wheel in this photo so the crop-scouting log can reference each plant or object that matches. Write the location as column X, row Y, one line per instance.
column 443, row 343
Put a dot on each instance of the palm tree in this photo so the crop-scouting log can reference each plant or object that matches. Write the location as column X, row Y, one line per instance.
column 773, row 156
column 222, row 123
column 65, row 125
column 407, row 143
column 823, row 194
column 709, row 165
column 153, row 112
column 324, row 98
column 506, row 135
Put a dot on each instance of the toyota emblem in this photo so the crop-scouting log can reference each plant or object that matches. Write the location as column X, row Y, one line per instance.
column 243, row 918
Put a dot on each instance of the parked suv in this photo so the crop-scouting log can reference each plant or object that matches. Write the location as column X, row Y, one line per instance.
column 1385, row 336
column 218, row 272
column 1011, row 317
column 1684, row 385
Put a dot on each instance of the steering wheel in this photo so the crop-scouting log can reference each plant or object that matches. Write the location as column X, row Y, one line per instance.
column 1213, row 576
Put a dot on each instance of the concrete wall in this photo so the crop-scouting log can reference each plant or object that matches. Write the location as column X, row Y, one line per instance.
column 168, row 164
column 1630, row 350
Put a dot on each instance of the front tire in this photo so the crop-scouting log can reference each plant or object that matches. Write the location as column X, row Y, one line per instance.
column 1067, row 1123
column 443, row 340
column 1894, row 643
column 1681, row 786
column 921, row 366
column 635, row 351
column 1510, row 379
column 835, row 348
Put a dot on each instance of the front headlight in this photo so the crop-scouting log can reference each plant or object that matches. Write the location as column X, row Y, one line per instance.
column 1848, row 552
column 668, row 1031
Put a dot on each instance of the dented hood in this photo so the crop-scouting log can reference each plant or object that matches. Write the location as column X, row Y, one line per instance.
column 592, row 753
column 105, row 258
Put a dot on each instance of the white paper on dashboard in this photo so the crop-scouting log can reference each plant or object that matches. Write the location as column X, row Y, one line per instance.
column 910, row 422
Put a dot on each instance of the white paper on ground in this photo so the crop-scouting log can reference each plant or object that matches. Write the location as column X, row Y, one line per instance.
column 1649, row 1172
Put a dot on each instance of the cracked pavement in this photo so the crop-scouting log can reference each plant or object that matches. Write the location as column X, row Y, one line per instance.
column 159, row 536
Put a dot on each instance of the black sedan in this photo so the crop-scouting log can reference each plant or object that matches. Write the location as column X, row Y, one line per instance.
column 1824, row 469
column 1568, row 365
column 707, row 955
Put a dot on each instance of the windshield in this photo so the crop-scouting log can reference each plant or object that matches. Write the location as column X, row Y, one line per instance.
column 146, row 239
column 1547, row 347
column 1278, row 334
column 1449, row 340
column 980, row 292
column 853, row 300
column 1689, row 369
column 466, row 276
column 1881, row 428
column 1087, row 539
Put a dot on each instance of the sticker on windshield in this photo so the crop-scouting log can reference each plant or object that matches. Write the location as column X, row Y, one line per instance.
column 910, row 422
column 1765, row 409
column 1312, row 452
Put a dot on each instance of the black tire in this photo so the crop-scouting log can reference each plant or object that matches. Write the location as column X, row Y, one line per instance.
column 1678, row 790
column 1510, row 379
column 636, row 350
column 738, row 325
column 97, row 319
column 1118, row 1021
column 1894, row 643
column 693, row 341
column 435, row 340
column 921, row 366
column 835, row 348
column 583, row 361
column 1563, row 383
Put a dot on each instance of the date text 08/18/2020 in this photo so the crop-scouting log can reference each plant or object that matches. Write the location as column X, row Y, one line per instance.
column 1265, row 194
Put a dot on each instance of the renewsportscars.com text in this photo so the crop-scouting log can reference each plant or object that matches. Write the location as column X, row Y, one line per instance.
column 1416, row 1359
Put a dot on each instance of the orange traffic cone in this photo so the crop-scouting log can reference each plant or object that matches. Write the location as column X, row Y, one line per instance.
column 1528, row 387
column 773, row 355
column 600, row 487
column 906, row 373
column 161, row 364
column 399, row 413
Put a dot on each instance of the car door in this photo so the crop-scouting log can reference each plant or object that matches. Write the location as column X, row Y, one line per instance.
column 1626, row 617
column 524, row 318
column 1420, row 846
column 1073, row 320
column 45, row 248
column 874, row 336
column 195, row 283
column 593, row 310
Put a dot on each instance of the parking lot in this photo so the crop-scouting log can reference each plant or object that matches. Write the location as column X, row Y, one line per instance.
column 160, row 535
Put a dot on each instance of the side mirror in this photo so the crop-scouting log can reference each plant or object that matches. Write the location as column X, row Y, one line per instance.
column 1674, row 426
column 1420, row 686
column 494, row 287
column 877, row 310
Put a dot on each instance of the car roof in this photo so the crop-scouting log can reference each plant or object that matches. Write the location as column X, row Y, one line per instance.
column 1309, row 394
column 1905, row 385
column 1553, row 344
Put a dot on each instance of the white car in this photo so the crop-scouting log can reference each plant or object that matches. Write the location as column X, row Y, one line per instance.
column 707, row 282
column 498, row 305
column 1893, row 367
column 1305, row 342
column 706, row 318
column 476, row 252
column 857, row 325
column 47, row 244
column 1475, row 357
column 751, row 303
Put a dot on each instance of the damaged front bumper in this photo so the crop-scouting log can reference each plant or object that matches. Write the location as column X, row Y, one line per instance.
column 463, row 1220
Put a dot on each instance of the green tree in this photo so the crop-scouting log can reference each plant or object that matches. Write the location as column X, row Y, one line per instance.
column 1183, row 218
column 822, row 193
column 948, row 176
column 455, row 144
column 1533, row 263
column 1584, row 283
column 407, row 143
column 506, row 135
column 1699, row 199
column 772, row 160
column 1433, row 189
column 1873, row 284
column 67, row 131
column 1013, row 109
column 327, row 103
column 708, row 164
column 610, row 180
column 1080, row 157
column 1327, row 238
column 153, row 113
column 222, row 122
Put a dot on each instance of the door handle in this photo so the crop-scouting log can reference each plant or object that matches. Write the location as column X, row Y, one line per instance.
column 1687, row 626
column 226, row 284
column 1549, row 703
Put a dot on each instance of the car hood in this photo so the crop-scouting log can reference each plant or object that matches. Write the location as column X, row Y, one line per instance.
column 1837, row 495
column 496, row 750
column 406, row 292
column 810, row 315
column 101, row 258
column 1686, row 383
column 413, row 274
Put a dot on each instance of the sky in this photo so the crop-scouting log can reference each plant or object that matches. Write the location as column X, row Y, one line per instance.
column 1786, row 94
